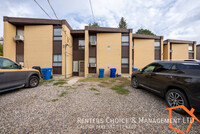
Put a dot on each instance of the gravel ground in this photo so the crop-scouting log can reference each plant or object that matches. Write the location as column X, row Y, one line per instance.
column 77, row 109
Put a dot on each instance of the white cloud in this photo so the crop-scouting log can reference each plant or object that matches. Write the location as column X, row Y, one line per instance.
column 177, row 19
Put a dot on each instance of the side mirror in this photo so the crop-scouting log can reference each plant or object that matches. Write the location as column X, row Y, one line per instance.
column 19, row 66
column 140, row 70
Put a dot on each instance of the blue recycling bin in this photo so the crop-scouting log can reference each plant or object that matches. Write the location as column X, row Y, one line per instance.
column 113, row 72
column 101, row 73
column 46, row 73
column 135, row 69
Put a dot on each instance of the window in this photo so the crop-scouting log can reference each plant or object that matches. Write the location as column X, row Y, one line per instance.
column 149, row 68
column 75, row 66
column 93, row 38
column 124, row 60
column 57, row 58
column 125, row 40
column 157, row 51
column 191, row 48
column 57, row 38
column 81, row 44
column 7, row 64
column 20, row 32
column 57, row 32
column 157, row 43
column 57, row 64
column 92, row 60
column 187, row 66
column 163, row 67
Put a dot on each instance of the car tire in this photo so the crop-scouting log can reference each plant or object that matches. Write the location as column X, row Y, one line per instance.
column 33, row 81
column 176, row 97
column 134, row 82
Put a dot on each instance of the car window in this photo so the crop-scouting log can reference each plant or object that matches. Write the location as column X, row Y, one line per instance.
column 163, row 67
column 186, row 66
column 7, row 64
column 149, row 68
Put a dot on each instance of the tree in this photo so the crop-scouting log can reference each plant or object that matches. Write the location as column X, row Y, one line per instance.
column 95, row 24
column 144, row 31
column 122, row 23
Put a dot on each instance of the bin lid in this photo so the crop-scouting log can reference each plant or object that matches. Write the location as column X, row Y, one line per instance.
column 113, row 69
column 101, row 69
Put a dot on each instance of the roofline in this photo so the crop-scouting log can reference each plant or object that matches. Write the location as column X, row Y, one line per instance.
column 179, row 41
column 108, row 29
column 80, row 31
column 36, row 21
column 143, row 36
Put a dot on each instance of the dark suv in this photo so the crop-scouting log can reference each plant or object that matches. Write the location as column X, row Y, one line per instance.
column 177, row 81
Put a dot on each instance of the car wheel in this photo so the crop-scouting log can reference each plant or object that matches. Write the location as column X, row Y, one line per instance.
column 33, row 81
column 134, row 82
column 174, row 98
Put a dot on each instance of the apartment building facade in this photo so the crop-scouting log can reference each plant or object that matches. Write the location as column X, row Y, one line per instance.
column 54, row 44
column 146, row 49
column 179, row 49
column 39, row 42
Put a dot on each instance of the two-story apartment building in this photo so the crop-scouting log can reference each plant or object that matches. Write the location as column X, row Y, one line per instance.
column 54, row 44
column 179, row 49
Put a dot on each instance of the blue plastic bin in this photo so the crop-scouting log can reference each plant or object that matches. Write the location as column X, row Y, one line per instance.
column 101, row 73
column 46, row 73
column 113, row 72
column 135, row 69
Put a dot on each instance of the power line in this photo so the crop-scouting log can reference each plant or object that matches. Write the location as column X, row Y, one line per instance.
column 52, row 9
column 92, row 10
column 42, row 9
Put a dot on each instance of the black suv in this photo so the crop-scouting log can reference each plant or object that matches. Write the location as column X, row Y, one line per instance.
column 177, row 81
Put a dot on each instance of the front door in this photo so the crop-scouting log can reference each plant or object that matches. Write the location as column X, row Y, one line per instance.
column 81, row 68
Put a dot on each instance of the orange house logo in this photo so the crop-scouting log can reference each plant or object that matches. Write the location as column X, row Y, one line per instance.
column 186, row 110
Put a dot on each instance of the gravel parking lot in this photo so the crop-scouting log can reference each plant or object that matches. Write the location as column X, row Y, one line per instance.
column 88, row 106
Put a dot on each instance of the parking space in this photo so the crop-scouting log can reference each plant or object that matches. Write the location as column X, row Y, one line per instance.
column 87, row 105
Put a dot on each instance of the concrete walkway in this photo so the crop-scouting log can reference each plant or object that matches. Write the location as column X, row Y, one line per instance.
column 72, row 81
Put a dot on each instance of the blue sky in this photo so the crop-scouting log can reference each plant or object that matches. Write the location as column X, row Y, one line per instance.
column 174, row 19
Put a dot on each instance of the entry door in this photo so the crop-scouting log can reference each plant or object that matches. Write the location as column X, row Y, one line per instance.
column 81, row 68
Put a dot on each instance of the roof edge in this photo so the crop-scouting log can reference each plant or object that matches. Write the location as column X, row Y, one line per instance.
column 179, row 41
column 143, row 36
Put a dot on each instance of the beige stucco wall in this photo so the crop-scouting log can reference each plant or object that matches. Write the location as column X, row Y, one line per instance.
column 162, row 49
column 9, row 47
column 198, row 52
column 130, row 53
column 166, row 52
column 195, row 51
column 38, row 44
column 180, row 51
column 66, row 39
column 143, row 52
column 109, row 58
column 86, row 52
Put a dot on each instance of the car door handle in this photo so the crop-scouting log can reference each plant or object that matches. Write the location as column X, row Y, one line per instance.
column 1, row 73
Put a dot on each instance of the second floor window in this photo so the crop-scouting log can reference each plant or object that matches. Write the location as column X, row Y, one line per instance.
column 125, row 40
column 93, row 38
column 81, row 44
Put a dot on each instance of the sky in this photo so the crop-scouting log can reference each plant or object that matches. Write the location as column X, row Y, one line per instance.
column 173, row 19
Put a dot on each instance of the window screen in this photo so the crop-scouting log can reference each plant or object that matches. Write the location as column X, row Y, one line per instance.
column 57, row 32
column 57, row 58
